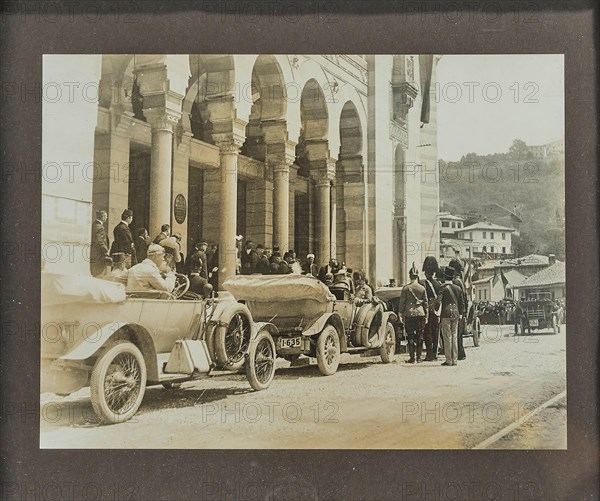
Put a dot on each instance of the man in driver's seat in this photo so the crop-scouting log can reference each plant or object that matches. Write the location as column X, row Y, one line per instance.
column 146, row 276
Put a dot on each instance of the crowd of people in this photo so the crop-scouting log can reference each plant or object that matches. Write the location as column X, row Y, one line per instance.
column 437, row 302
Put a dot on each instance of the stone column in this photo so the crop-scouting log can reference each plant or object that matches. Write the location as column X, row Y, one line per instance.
column 281, row 205
column 162, row 123
column 229, row 147
column 323, row 229
column 333, row 237
column 281, row 198
column 111, row 165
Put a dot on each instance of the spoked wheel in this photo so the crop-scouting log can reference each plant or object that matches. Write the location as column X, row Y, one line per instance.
column 118, row 383
column 231, row 342
column 476, row 332
column 260, row 363
column 328, row 351
column 388, row 348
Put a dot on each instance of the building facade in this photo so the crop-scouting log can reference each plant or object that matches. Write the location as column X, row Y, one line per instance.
column 330, row 154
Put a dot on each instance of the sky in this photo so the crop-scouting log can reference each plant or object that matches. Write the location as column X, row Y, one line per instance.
column 487, row 101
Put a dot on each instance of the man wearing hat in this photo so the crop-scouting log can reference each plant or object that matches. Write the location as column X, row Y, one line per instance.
column 453, row 307
column 99, row 245
column 124, row 239
column 172, row 247
column 262, row 265
column 198, row 265
column 146, row 275
column 249, row 258
column 309, row 267
column 118, row 272
column 332, row 267
column 457, row 265
column 433, row 288
column 413, row 312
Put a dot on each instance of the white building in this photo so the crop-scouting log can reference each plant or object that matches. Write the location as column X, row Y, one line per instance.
column 486, row 240
column 330, row 154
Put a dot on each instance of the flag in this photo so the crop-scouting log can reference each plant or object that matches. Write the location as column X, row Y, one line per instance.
column 504, row 279
column 495, row 279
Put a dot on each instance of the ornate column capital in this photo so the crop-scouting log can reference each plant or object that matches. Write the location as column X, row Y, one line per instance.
column 228, row 143
column 162, row 119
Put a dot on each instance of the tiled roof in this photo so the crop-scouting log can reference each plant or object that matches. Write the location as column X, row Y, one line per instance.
column 486, row 226
column 515, row 278
column 555, row 274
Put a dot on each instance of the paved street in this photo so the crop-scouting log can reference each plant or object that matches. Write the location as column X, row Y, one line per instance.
column 366, row 404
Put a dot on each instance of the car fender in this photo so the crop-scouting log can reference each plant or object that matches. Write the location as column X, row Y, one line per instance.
column 93, row 342
column 221, row 317
column 331, row 318
column 389, row 316
column 368, row 313
column 258, row 327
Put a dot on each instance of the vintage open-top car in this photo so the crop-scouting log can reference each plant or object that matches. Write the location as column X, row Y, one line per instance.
column 313, row 320
column 538, row 312
column 95, row 334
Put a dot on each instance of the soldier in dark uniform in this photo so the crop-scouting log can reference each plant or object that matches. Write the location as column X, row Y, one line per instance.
column 99, row 245
column 124, row 239
column 414, row 313
column 432, row 287
column 457, row 266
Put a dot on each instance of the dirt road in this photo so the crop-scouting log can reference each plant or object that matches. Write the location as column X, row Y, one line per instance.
column 365, row 405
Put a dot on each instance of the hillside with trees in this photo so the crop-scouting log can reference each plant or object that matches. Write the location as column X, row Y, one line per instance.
column 533, row 187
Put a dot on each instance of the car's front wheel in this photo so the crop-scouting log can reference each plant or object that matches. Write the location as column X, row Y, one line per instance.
column 260, row 362
column 118, row 382
column 388, row 348
column 328, row 351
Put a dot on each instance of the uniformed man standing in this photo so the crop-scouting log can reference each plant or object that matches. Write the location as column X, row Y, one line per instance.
column 433, row 288
column 99, row 247
column 414, row 313
column 124, row 239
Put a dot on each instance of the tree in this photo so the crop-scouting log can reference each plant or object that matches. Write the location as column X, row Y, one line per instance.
column 518, row 149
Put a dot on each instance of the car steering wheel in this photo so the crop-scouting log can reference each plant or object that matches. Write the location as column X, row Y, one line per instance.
column 182, row 284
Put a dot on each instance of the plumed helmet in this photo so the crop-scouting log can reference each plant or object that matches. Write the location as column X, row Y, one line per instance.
column 413, row 272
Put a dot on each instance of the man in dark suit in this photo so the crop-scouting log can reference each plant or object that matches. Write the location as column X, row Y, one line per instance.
column 141, row 244
column 249, row 259
column 99, row 245
column 333, row 267
column 457, row 265
column 453, row 307
column 123, row 238
column 165, row 232
column 262, row 265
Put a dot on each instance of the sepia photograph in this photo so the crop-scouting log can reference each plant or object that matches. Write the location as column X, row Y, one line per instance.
column 303, row 251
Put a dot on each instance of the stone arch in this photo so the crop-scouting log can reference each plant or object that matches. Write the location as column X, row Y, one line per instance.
column 350, row 130
column 310, row 70
column 350, row 190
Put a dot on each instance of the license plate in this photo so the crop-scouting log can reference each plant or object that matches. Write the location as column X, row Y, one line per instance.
column 533, row 322
column 290, row 342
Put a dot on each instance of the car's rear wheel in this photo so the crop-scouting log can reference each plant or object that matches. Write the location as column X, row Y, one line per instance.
column 118, row 382
column 388, row 348
column 476, row 332
column 232, row 341
column 260, row 363
column 328, row 351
